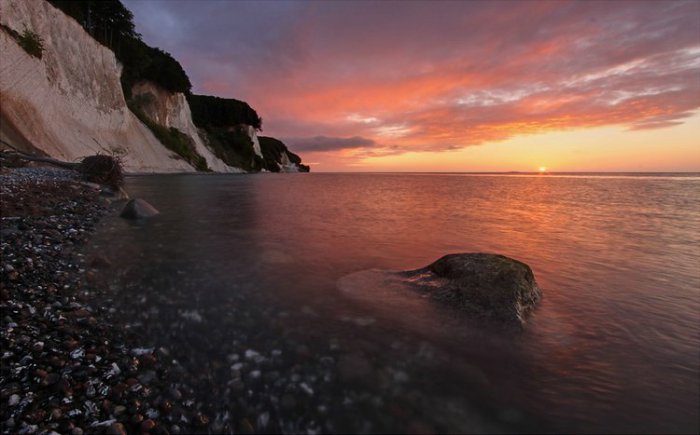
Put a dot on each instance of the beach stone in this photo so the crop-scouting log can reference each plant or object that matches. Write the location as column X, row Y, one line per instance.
column 487, row 285
column 138, row 209
column 116, row 429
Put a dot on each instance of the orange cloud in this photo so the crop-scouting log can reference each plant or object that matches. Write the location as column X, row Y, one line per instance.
column 350, row 80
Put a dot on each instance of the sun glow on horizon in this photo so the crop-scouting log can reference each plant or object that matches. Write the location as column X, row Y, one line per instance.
column 615, row 148
column 543, row 169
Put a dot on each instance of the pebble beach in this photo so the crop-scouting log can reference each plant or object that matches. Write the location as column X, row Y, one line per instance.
column 83, row 353
column 66, row 367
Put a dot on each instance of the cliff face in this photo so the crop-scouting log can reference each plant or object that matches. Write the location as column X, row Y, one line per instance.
column 69, row 103
column 278, row 158
column 172, row 110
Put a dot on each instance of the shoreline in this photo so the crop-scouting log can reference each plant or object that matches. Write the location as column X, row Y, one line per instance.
column 84, row 354
column 67, row 365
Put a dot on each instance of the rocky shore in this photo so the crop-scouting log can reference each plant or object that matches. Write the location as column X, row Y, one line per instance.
column 65, row 365
column 80, row 356
column 89, row 348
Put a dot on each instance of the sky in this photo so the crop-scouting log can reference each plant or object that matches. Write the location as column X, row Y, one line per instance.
column 451, row 85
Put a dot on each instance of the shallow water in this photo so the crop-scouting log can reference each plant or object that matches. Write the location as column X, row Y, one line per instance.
column 613, row 346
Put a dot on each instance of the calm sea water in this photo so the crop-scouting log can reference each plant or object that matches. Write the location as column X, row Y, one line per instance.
column 614, row 345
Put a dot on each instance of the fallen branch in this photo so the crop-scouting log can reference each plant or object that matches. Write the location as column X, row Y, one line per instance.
column 31, row 158
column 100, row 168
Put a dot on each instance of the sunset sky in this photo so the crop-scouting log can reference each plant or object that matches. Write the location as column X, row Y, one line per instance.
column 452, row 86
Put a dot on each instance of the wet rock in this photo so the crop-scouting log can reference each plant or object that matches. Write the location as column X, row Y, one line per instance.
column 116, row 429
column 492, row 286
column 148, row 425
column 138, row 209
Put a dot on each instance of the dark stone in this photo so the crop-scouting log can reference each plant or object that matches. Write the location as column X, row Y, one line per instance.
column 138, row 209
column 116, row 429
column 487, row 285
column 100, row 262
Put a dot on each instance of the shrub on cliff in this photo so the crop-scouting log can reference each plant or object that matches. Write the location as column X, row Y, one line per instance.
column 31, row 43
column 28, row 40
column 234, row 147
column 173, row 139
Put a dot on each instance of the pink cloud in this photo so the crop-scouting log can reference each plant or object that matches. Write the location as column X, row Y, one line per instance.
column 436, row 76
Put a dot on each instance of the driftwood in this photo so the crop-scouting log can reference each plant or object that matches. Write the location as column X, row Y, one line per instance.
column 30, row 158
column 100, row 168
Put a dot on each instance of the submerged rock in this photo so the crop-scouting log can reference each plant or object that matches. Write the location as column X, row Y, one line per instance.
column 109, row 195
column 478, row 284
column 138, row 209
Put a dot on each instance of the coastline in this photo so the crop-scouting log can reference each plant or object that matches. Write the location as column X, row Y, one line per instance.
column 67, row 364
column 80, row 355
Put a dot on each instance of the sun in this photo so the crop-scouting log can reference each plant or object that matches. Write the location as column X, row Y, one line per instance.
column 543, row 169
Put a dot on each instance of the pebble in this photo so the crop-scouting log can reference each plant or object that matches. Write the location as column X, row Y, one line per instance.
column 147, row 425
column 116, row 429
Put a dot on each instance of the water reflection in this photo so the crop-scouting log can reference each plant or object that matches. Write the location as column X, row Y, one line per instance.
column 613, row 346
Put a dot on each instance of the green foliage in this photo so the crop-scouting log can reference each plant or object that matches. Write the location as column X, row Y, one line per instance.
column 234, row 147
column 142, row 62
column 31, row 43
column 220, row 118
column 28, row 40
column 174, row 140
column 108, row 21
column 111, row 24
column 208, row 111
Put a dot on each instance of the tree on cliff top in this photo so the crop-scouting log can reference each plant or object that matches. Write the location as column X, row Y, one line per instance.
column 208, row 111
column 108, row 21
column 112, row 24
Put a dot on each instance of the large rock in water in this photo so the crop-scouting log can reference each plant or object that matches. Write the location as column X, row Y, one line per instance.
column 138, row 209
column 487, row 285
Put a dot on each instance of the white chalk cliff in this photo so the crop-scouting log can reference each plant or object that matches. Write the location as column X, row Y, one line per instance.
column 172, row 110
column 70, row 103
column 287, row 165
column 253, row 135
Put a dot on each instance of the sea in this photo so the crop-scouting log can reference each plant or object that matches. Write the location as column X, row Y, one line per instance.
column 242, row 278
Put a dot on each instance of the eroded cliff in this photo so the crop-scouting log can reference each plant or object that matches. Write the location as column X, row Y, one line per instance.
column 171, row 110
column 69, row 103
column 68, row 96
